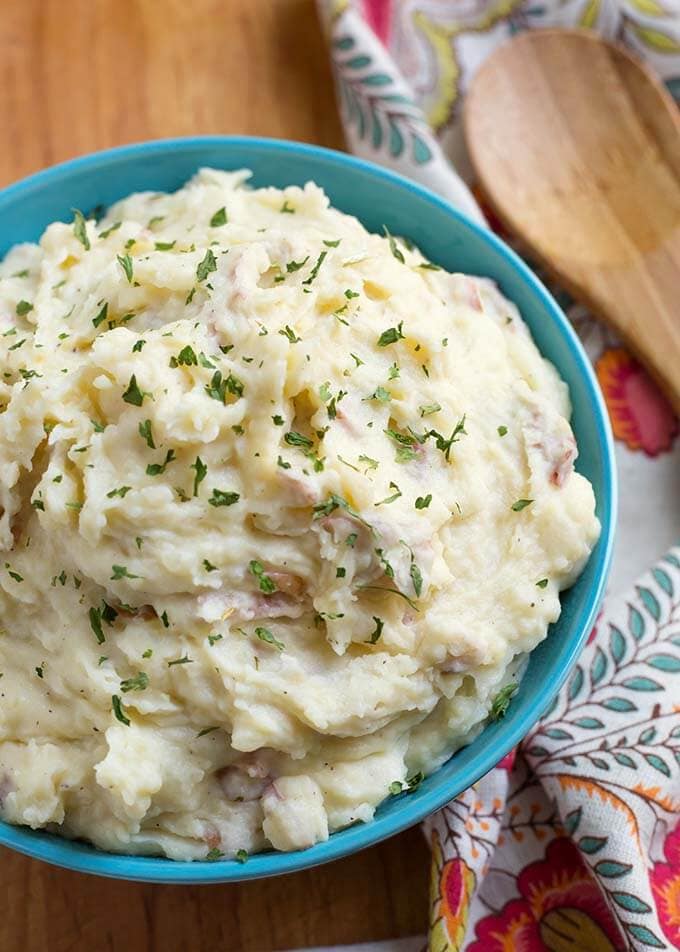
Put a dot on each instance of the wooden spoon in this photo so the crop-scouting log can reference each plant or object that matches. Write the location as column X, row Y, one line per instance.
column 577, row 147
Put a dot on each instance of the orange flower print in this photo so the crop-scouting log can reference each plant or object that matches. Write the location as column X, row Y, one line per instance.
column 641, row 416
column 561, row 908
column 665, row 879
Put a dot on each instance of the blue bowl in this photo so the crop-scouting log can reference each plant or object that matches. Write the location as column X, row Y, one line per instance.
column 376, row 197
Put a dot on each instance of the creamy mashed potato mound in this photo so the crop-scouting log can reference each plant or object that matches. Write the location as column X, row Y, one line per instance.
column 283, row 505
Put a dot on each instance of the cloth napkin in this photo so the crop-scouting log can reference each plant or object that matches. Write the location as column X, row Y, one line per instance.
column 572, row 842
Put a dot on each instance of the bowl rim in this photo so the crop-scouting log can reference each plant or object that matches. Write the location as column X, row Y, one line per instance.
column 82, row 857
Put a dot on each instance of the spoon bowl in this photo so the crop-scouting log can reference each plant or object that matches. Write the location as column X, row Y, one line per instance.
column 576, row 145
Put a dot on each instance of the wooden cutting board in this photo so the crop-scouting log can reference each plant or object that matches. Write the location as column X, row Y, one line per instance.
column 86, row 75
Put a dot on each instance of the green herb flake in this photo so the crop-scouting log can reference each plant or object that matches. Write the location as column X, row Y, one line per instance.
column 95, row 617
column 288, row 332
column 315, row 269
column 394, row 248
column 278, row 420
column 389, row 499
column 294, row 266
column 282, row 463
column 185, row 659
column 80, row 229
column 428, row 408
column 521, row 504
column 125, row 261
column 186, row 358
column 119, row 710
column 377, row 631
column 146, row 434
column 109, row 231
column 137, row 347
column 286, row 209
column 206, row 731
column 266, row 584
column 201, row 471
column 157, row 469
column 133, row 394
column 122, row 491
column 391, row 335
column 370, row 463
column 206, row 266
column 501, row 701
column 219, row 218
column 340, row 572
column 120, row 571
column 542, row 583
column 208, row 566
column 416, row 577
column 221, row 498
column 502, row 430
column 148, row 653
column 241, row 856
column 139, row 682
column 264, row 634
column 23, row 308
column 381, row 394
column 214, row 638
column 292, row 438
column 422, row 502
column 332, row 244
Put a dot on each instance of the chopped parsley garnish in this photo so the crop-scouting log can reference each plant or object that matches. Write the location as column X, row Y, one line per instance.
column 14, row 575
column 444, row 444
column 521, row 504
column 23, row 308
column 146, row 434
column 219, row 387
column 501, row 701
column 422, row 502
column 293, row 438
column 125, row 261
column 390, row 591
column 186, row 358
column 137, row 347
column 109, row 231
column 264, row 634
column 282, row 463
column 95, row 617
column 409, row 786
column 429, row 266
column 267, row 584
column 119, row 711
column 380, row 394
column 377, row 631
column 416, row 577
column 221, row 498
column 502, row 430
column 213, row 854
column 185, row 659
column 164, row 245
column 133, row 394
column 190, row 296
column 293, row 266
column 80, row 229
column 207, row 266
column 393, row 372
column 290, row 334
column 139, row 683
column 393, row 245
column 219, row 218
column 325, row 391
column 120, row 571
column 286, row 209
column 337, row 502
column 213, row 639
column 148, row 653
column 38, row 504
column 389, row 499
column 278, row 420
column 208, row 566
column 370, row 463
column 157, row 469
column 122, row 491
column 333, row 244
column 428, row 408
column 98, row 427
column 542, row 583
column 351, row 539
column 340, row 572
column 201, row 471
column 241, row 856
column 40, row 671
column 20, row 343
column 349, row 294
column 315, row 269
column 387, row 568
column 391, row 335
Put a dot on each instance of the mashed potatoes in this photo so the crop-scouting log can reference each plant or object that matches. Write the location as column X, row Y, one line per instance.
column 281, row 503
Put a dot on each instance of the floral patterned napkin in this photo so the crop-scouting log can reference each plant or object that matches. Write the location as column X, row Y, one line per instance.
column 572, row 842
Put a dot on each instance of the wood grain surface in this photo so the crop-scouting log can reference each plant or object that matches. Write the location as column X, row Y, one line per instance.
column 86, row 75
